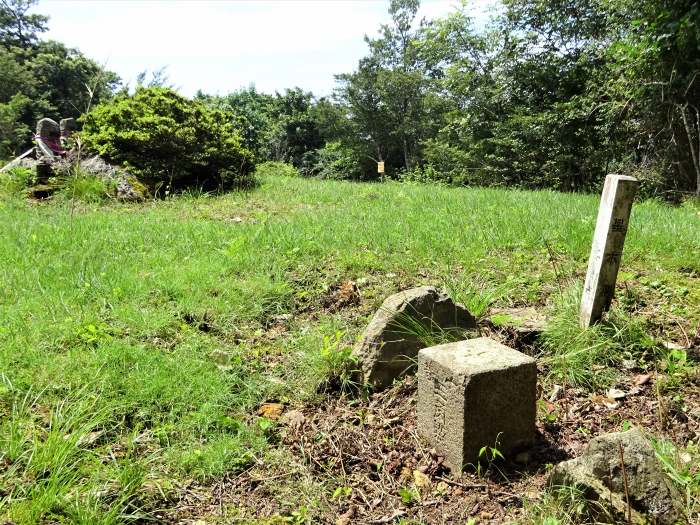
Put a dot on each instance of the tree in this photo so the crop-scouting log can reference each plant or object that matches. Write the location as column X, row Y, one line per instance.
column 17, row 27
column 386, row 95
column 41, row 78
column 168, row 140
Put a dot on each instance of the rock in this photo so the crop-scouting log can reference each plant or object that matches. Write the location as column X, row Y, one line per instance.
column 99, row 168
column 293, row 419
column 389, row 346
column 48, row 139
column 525, row 320
column 68, row 127
column 476, row 393
column 129, row 190
column 597, row 473
column 48, row 128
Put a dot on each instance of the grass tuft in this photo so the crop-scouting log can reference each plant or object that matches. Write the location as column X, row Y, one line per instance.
column 590, row 357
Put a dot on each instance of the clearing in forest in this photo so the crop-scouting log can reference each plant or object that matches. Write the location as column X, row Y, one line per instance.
column 188, row 359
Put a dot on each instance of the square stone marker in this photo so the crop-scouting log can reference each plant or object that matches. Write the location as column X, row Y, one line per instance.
column 471, row 394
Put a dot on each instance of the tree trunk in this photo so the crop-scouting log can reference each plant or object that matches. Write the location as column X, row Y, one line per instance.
column 692, row 131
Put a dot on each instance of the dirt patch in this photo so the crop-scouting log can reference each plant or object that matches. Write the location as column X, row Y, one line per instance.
column 361, row 461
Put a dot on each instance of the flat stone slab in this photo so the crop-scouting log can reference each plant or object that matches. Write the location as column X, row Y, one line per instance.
column 476, row 393
column 525, row 320
column 391, row 341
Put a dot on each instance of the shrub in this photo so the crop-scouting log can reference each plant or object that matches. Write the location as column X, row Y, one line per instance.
column 168, row 141
column 333, row 161
column 276, row 168
column 16, row 180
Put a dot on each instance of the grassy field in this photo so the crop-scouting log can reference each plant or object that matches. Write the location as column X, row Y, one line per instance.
column 138, row 341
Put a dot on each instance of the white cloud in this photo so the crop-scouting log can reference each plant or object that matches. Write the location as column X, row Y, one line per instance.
column 219, row 46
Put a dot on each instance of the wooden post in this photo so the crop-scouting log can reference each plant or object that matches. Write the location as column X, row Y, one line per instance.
column 608, row 242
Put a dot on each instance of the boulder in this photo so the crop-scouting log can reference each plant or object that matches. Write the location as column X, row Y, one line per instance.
column 598, row 474
column 48, row 139
column 390, row 344
column 68, row 126
column 48, row 128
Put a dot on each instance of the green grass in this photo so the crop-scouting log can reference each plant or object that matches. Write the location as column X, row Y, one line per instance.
column 114, row 318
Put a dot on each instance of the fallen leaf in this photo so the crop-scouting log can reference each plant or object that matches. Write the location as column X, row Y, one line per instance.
column 615, row 393
column 420, row 480
column 604, row 401
column 642, row 379
column 271, row 410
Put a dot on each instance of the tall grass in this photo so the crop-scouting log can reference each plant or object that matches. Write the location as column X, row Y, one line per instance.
column 591, row 357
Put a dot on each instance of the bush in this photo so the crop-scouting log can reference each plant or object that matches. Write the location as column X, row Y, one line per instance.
column 16, row 180
column 276, row 168
column 168, row 141
column 333, row 161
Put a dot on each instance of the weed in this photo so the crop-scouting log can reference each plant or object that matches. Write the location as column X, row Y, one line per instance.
column 15, row 181
column 475, row 293
column 677, row 368
column 333, row 368
column 409, row 496
column 558, row 506
column 426, row 330
column 84, row 187
column 680, row 465
column 588, row 356
column 487, row 458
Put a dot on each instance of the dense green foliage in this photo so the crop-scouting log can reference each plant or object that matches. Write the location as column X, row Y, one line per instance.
column 278, row 127
column 168, row 141
column 41, row 78
column 550, row 94
column 547, row 94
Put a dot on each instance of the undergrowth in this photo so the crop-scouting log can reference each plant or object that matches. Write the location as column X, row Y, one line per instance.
column 591, row 357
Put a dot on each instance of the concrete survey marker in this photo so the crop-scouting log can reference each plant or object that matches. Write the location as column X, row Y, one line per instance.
column 475, row 393
column 608, row 241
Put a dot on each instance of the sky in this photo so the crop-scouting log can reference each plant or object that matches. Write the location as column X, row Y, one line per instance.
column 220, row 46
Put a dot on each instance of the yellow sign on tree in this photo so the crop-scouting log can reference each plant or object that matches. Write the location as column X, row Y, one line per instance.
column 380, row 167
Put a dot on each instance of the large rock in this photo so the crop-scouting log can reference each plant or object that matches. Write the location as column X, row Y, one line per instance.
column 476, row 393
column 390, row 344
column 48, row 128
column 68, row 127
column 598, row 474
column 48, row 139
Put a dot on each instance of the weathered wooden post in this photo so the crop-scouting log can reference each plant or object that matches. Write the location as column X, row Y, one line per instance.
column 608, row 242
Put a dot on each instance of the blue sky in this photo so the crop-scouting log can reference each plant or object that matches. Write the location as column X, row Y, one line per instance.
column 220, row 46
